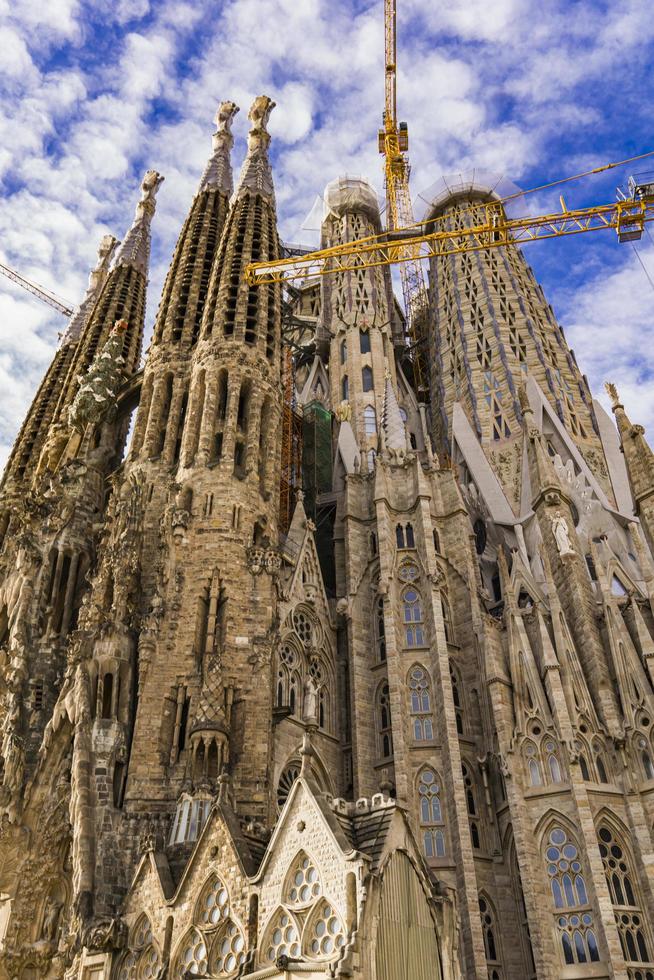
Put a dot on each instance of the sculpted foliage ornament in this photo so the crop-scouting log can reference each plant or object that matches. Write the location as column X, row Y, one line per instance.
column 95, row 400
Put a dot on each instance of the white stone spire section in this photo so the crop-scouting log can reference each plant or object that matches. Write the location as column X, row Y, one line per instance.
column 394, row 432
column 218, row 171
column 135, row 249
column 256, row 174
column 97, row 279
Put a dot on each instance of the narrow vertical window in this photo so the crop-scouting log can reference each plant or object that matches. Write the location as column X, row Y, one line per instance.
column 420, row 704
column 430, row 814
column 366, row 379
column 384, row 721
column 364, row 341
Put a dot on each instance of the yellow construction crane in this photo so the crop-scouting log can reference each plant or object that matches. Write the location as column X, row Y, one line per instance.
column 627, row 217
column 393, row 143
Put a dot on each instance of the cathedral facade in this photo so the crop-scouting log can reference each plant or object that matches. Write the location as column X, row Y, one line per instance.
column 308, row 670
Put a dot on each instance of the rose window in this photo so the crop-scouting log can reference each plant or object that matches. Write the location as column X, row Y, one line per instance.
column 325, row 933
column 215, row 905
column 408, row 572
column 193, row 957
column 229, row 951
column 283, row 938
column 304, row 885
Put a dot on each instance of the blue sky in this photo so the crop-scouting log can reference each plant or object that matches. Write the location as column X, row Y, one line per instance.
column 92, row 93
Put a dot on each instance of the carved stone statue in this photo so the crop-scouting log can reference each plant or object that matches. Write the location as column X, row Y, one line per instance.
column 562, row 534
column 344, row 412
column 51, row 920
column 225, row 117
column 260, row 113
column 310, row 706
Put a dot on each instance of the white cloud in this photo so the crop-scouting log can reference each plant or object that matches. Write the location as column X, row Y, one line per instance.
column 485, row 84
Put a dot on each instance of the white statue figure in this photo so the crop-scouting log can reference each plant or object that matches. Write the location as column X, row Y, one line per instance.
column 225, row 116
column 260, row 112
column 150, row 186
column 310, row 707
column 561, row 534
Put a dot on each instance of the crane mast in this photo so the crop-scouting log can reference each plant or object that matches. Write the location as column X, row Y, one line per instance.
column 393, row 144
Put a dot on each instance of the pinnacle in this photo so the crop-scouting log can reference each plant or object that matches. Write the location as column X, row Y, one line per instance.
column 97, row 279
column 135, row 248
column 393, row 425
column 256, row 175
column 218, row 171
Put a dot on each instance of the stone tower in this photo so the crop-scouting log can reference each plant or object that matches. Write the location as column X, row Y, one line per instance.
column 410, row 736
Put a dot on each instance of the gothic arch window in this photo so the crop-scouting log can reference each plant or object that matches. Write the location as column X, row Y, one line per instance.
column 367, row 383
column 573, row 914
column 491, row 938
column 644, row 753
column 551, row 759
column 601, row 764
column 364, row 341
column 282, row 937
column 192, row 957
column 384, row 725
column 420, row 704
column 623, row 888
column 380, row 628
column 413, row 618
column 410, row 539
column 370, row 421
column 430, row 814
column 288, row 679
column 324, row 934
column 302, row 885
column 343, row 350
column 399, row 536
column 457, row 697
column 532, row 763
column 471, row 805
column 372, row 537
column 227, row 951
column 345, row 388
column 213, row 907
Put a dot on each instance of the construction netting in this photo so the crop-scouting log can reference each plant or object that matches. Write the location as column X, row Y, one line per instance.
column 316, row 454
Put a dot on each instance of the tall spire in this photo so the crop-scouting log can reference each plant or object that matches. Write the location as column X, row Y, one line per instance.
column 638, row 456
column 38, row 424
column 256, row 174
column 135, row 248
column 97, row 279
column 183, row 297
column 218, row 171
column 122, row 297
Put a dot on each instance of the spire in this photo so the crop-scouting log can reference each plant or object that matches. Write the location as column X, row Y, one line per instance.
column 135, row 249
column 122, row 297
column 183, row 296
column 256, row 174
column 97, row 279
column 638, row 456
column 392, row 423
column 218, row 171
column 233, row 308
